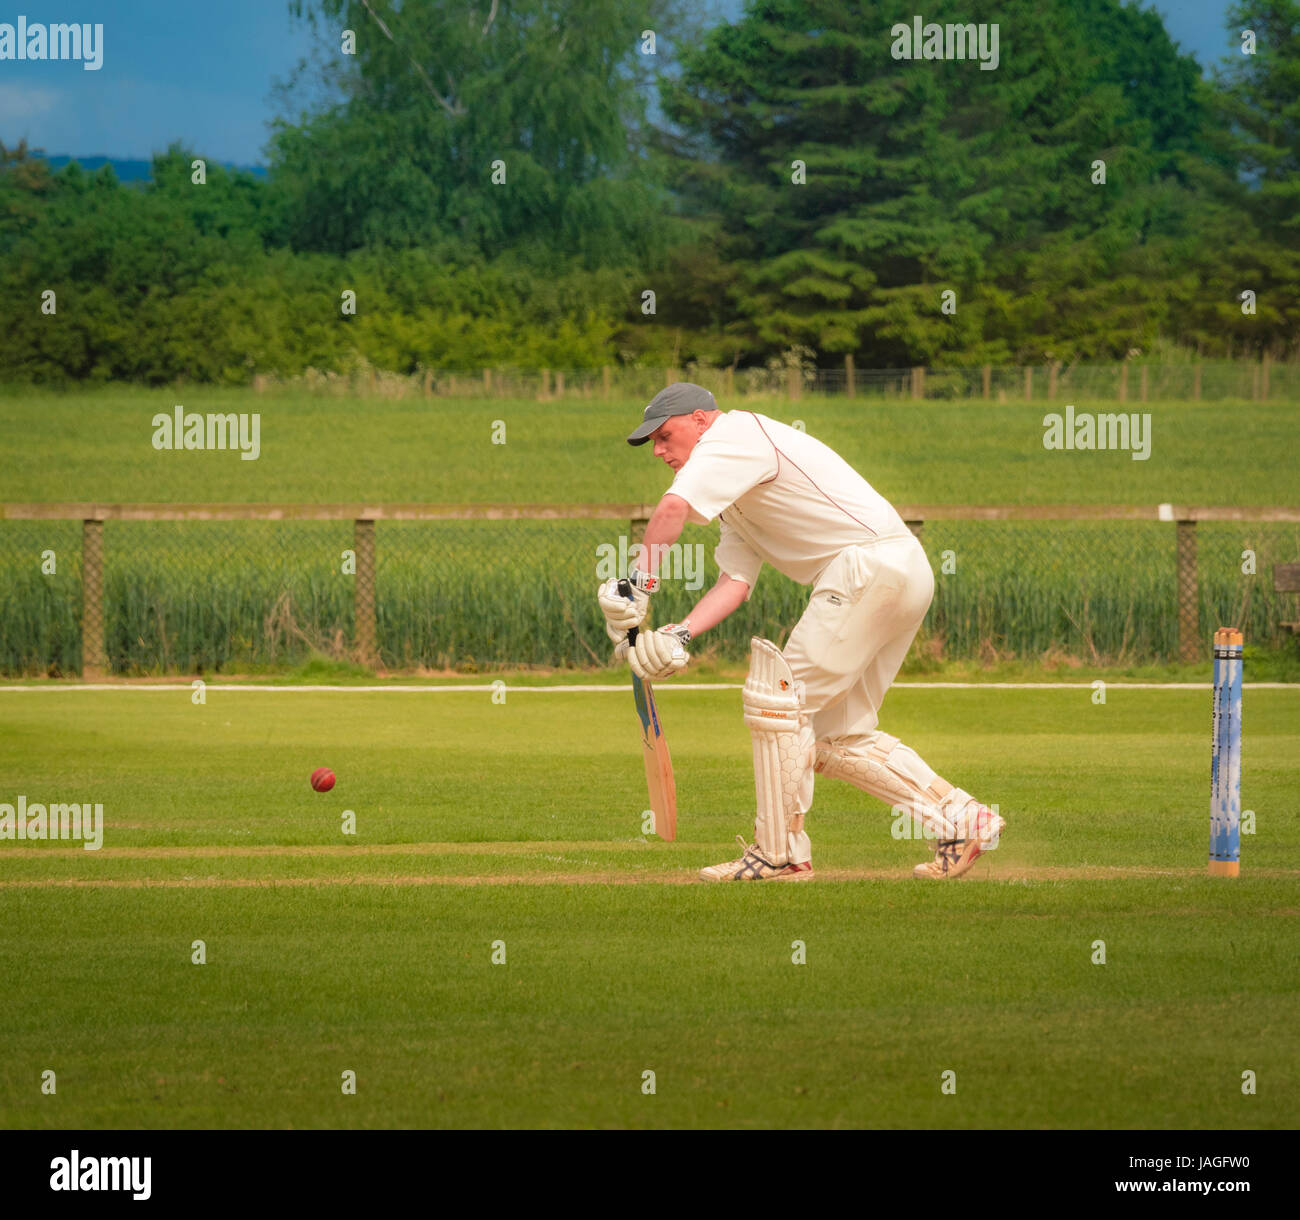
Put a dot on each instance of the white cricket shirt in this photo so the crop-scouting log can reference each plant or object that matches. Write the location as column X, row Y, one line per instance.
column 782, row 497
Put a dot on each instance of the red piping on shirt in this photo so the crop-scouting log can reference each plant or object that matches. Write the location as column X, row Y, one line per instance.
column 800, row 469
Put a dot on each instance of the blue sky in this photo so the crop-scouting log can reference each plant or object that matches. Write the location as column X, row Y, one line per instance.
column 196, row 72
column 202, row 73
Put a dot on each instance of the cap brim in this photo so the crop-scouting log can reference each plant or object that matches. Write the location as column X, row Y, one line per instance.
column 642, row 433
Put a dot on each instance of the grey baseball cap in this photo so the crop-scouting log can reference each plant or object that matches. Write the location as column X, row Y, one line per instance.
column 680, row 398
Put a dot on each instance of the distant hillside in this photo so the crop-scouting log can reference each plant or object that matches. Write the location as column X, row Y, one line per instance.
column 128, row 170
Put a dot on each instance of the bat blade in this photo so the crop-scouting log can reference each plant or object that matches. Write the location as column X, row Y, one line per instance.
column 658, row 762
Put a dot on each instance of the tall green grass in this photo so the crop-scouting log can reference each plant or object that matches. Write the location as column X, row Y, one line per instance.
column 40, row 612
column 474, row 595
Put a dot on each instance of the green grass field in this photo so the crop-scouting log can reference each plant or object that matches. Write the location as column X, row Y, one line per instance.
column 521, row 822
column 321, row 449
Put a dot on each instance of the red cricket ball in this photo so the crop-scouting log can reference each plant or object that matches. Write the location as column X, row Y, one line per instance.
column 322, row 779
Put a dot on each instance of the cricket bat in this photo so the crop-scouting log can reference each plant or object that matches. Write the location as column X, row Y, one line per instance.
column 658, row 764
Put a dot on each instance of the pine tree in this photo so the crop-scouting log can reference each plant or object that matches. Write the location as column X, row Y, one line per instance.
column 926, row 175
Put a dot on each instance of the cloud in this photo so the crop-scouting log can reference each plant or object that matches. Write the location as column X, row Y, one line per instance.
column 23, row 102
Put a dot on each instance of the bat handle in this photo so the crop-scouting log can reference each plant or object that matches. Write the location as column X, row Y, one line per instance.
column 625, row 590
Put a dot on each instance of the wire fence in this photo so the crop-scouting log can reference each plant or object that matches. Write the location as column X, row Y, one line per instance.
column 797, row 374
column 141, row 597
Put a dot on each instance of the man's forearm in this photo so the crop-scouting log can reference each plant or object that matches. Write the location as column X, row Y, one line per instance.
column 661, row 531
column 725, row 597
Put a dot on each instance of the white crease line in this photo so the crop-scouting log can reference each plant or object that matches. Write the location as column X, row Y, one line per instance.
column 661, row 687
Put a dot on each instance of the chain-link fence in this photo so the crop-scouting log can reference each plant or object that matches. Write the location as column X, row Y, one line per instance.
column 797, row 373
column 472, row 595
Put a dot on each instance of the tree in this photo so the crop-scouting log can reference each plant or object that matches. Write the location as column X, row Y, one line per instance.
column 437, row 94
column 1260, row 103
column 927, row 175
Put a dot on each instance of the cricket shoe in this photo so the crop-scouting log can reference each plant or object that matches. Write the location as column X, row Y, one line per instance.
column 754, row 866
column 954, row 857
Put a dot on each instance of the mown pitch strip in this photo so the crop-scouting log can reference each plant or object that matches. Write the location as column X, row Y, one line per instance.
column 400, row 864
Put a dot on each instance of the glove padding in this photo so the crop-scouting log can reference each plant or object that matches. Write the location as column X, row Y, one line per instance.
column 621, row 615
column 656, row 654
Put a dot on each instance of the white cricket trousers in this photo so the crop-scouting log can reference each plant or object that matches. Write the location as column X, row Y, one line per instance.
column 866, row 607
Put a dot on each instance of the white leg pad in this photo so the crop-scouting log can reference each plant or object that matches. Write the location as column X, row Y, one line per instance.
column 775, row 716
column 896, row 774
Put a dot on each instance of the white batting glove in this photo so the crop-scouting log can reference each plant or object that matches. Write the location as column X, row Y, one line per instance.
column 621, row 615
column 659, row 654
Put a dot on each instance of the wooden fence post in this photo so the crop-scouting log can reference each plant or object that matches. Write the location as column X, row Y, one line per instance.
column 794, row 382
column 635, row 535
column 1189, row 630
column 1144, row 383
column 850, row 387
column 988, row 380
column 92, row 599
column 1263, row 379
column 364, row 591
column 918, row 383
column 487, row 380
column 559, row 383
column 1196, row 384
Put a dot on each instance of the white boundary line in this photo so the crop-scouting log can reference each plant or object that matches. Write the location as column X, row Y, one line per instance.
column 486, row 688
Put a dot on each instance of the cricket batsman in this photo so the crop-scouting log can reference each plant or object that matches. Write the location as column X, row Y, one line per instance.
column 783, row 498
